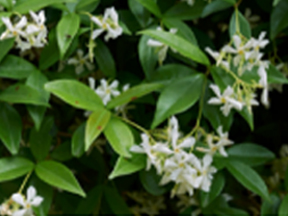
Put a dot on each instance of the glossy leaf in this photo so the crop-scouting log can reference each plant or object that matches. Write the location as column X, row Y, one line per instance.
column 78, row 141
column 142, row 14
column 87, row 5
column 66, row 30
column 10, row 127
column 119, row 136
column 283, row 209
column 248, row 117
column 14, row 167
column 151, row 6
column 244, row 26
column 181, row 45
column 58, row 175
column 133, row 93
column 248, row 178
column 96, row 123
column 177, row 97
column 5, row 46
column 279, row 18
column 270, row 207
column 126, row 166
column 14, row 67
column 215, row 6
column 275, row 76
column 75, row 93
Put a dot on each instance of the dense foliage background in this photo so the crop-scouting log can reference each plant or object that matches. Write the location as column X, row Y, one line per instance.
column 68, row 129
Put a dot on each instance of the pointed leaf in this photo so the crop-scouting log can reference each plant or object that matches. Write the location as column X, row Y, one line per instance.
column 5, row 46
column 152, row 6
column 78, row 141
column 58, row 175
column 275, row 76
column 244, row 26
column 279, row 18
column 270, row 207
column 216, row 6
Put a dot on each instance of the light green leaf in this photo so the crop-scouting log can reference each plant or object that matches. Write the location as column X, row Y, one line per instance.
column 14, row 67
column 248, row 178
column 177, row 97
column 215, row 189
column 87, row 5
column 133, row 93
column 10, row 127
column 216, row 6
column 78, row 141
column 7, row 4
column 270, row 207
column 75, row 93
column 283, row 209
column 66, row 30
column 23, row 94
column 14, row 167
column 183, row 11
column 24, row 6
column 104, row 59
column 181, row 45
column 58, row 175
column 151, row 5
column 96, row 123
column 119, row 136
column 244, row 26
column 147, row 56
column 183, row 29
column 279, row 18
column 40, row 141
column 250, row 154
column 126, row 166
column 5, row 46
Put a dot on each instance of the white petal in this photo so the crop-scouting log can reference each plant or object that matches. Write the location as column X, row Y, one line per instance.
column 207, row 160
column 215, row 101
column 162, row 148
column 154, row 43
column 187, row 143
column 114, row 84
column 216, row 90
column 73, row 61
column 80, row 53
column 237, row 41
column 8, row 23
column 37, row 201
column 21, row 212
column 31, row 193
column 228, row 91
column 79, row 69
column 97, row 21
column 21, row 23
column 137, row 149
column 125, row 87
column 91, row 81
column 18, row 198
column 223, row 152
column 96, row 33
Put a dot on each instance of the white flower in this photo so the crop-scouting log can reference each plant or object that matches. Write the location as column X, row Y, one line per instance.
column 226, row 99
column 14, row 30
column 79, row 61
column 217, row 57
column 5, row 209
column 162, row 48
column 107, row 23
column 204, row 180
column 264, row 82
column 31, row 200
column 260, row 42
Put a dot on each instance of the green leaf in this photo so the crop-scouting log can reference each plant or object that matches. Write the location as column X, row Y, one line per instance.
column 151, row 5
column 250, row 154
column 142, row 15
column 147, row 56
column 283, row 209
column 78, row 141
column 183, row 11
column 14, row 67
column 150, row 181
column 270, row 207
column 248, row 117
column 58, row 175
column 181, row 45
column 23, row 94
column 216, row 6
column 248, row 178
column 37, row 80
column 5, row 46
column 115, row 201
column 7, row 4
column 169, row 72
column 183, row 30
column 40, row 141
column 221, row 78
column 66, row 29
column 75, row 93
column 87, row 5
column 244, row 26
column 24, row 6
column 62, row 152
column 10, row 127
column 14, row 167
column 279, row 18
column 119, row 136
column 96, row 123
column 104, row 59
column 275, row 2
column 215, row 189
column 177, row 97
column 126, row 166
column 275, row 76
column 133, row 93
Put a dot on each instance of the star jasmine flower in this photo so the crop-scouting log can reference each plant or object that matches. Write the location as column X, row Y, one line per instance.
column 5, row 209
column 107, row 23
column 225, row 98
column 14, row 30
column 32, row 200
column 162, row 48
column 260, row 42
column 264, row 82
column 79, row 61
column 217, row 57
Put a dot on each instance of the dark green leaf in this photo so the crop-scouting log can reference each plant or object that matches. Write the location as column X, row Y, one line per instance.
column 275, row 76
column 78, row 141
column 116, row 202
column 279, row 18
column 244, row 26
column 283, row 209
column 152, row 6
column 216, row 6
column 270, row 207
column 142, row 15
column 5, row 46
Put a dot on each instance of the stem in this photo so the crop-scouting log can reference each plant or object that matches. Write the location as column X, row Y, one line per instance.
column 24, row 182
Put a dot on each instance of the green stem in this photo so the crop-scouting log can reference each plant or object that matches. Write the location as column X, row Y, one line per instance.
column 24, row 182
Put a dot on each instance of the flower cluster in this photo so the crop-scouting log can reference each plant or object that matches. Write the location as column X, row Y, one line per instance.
column 161, row 48
column 241, row 58
column 11, row 207
column 175, row 164
column 109, row 22
column 79, row 61
column 27, row 34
